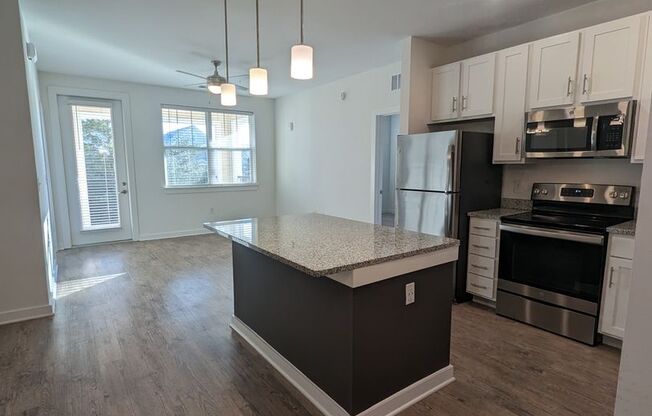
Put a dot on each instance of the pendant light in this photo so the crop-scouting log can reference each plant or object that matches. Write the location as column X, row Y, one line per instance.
column 257, row 75
column 228, row 97
column 301, row 63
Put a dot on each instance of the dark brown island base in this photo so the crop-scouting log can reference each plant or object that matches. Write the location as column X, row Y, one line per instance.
column 356, row 316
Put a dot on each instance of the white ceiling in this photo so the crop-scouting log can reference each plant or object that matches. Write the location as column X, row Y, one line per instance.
column 147, row 40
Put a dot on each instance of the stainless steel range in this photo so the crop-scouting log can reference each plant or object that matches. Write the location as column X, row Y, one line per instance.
column 552, row 259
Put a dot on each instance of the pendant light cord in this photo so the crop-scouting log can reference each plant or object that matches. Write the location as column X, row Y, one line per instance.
column 302, row 22
column 257, row 38
column 226, row 40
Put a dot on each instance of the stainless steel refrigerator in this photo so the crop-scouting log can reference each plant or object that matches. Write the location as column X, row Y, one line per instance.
column 440, row 177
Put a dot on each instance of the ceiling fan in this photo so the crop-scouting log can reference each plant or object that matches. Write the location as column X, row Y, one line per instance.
column 214, row 81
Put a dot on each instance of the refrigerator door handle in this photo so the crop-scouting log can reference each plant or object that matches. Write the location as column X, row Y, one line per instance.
column 451, row 168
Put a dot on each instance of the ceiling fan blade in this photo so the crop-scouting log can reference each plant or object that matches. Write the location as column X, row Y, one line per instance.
column 191, row 74
column 195, row 85
column 239, row 76
column 241, row 87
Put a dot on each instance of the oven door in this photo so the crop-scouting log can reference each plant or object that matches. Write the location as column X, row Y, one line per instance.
column 555, row 266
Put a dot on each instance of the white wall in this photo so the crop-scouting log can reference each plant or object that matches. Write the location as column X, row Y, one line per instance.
column 167, row 213
column 518, row 179
column 23, row 279
column 634, row 397
column 326, row 164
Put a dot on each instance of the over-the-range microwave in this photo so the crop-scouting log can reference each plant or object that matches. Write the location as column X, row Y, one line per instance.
column 596, row 130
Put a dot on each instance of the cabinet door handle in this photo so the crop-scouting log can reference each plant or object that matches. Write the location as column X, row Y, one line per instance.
column 465, row 99
column 517, row 147
column 482, row 247
column 480, row 267
column 568, row 88
column 454, row 104
column 584, row 80
column 479, row 286
column 611, row 276
column 482, row 228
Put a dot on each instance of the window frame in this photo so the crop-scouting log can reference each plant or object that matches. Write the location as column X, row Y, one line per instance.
column 209, row 134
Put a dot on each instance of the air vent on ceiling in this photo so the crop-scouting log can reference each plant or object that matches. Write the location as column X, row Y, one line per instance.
column 396, row 82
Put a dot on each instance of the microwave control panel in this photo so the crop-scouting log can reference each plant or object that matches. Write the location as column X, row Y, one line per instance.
column 609, row 133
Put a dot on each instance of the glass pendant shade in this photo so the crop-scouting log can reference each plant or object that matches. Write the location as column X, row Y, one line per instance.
column 228, row 97
column 215, row 89
column 301, row 63
column 257, row 81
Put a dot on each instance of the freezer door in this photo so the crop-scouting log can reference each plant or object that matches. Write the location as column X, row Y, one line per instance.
column 427, row 212
column 428, row 161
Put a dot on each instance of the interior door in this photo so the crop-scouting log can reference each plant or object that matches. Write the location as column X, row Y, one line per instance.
column 92, row 134
column 446, row 91
column 511, row 83
column 426, row 212
column 478, row 86
column 609, row 60
column 617, row 287
column 554, row 69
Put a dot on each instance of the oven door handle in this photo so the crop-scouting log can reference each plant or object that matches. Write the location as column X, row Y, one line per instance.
column 551, row 233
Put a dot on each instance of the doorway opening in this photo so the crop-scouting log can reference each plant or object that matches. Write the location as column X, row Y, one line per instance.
column 387, row 128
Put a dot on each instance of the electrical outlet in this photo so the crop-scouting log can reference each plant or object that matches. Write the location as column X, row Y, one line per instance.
column 409, row 293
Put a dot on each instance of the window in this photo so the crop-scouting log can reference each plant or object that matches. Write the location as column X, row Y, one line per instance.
column 96, row 173
column 208, row 147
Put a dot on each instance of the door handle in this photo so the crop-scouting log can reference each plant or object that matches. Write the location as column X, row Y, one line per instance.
column 124, row 192
column 465, row 100
column 517, row 147
column 584, row 89
column 568, row 88
column 454, row 104
column 479, row 286
column 482, row 247
column 611, row 276
column 479, row 267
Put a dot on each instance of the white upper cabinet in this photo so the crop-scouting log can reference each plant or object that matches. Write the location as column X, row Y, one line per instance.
column 644, row 111
column 609, row 54
column 511, row 85
column 446, row 91
column 554, row 69
column 478, row 86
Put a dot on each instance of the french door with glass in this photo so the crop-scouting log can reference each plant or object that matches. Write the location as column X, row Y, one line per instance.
column 92, row 134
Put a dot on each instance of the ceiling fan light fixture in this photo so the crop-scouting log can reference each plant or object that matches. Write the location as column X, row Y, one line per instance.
column 228, row 97
column 258, row 81
column 213, row 87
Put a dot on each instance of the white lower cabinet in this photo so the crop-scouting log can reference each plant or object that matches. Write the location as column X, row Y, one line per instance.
column 482, row 264
column 616, row 286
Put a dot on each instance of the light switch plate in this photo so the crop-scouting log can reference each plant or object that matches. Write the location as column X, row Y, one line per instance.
column 409, row 293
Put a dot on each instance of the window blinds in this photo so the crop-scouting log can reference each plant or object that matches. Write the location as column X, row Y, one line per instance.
column 204, row 147
column 96, row 171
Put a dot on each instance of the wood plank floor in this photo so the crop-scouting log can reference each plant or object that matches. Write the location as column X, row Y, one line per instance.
column 142, row 329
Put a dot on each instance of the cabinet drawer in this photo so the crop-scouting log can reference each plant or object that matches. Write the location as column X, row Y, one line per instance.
column 622, row 247
column 480, row 286
column 483, row 246
column 481, row 265
column 487, row 228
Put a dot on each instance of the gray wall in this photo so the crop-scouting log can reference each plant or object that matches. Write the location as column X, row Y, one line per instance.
column 23, row 281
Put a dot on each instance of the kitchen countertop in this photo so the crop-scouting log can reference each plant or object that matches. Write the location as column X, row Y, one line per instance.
column 496, row 213
column 625, row 228
column 321, row 245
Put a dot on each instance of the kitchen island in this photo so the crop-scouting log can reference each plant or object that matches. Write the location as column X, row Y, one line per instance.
column 328, row 302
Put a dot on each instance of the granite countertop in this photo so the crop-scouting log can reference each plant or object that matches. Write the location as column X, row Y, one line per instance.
column 625, row 228
column 496, row 213
column 321, row 245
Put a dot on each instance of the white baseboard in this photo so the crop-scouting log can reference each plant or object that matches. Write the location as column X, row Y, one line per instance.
column 322, row 401
column 612, row 342
column 25, row 314
column 173, row 234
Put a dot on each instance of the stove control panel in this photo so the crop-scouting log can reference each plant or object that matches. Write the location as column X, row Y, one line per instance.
column 584, row 193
